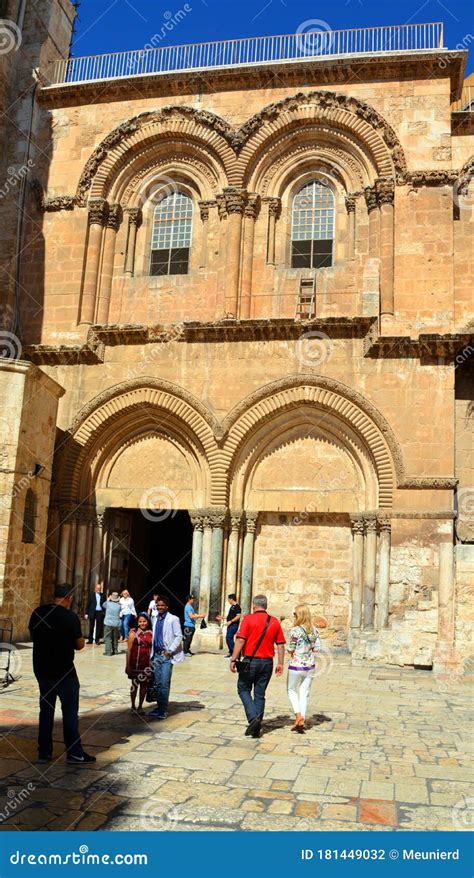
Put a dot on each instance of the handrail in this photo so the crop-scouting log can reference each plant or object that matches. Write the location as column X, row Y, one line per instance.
column 309, row 45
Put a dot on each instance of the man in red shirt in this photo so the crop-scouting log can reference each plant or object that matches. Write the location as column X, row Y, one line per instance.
column 260, row 650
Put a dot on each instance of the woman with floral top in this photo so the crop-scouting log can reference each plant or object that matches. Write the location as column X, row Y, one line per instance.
column 303, row 644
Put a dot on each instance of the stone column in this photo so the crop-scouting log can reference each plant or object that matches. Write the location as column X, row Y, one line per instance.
column 274, row 209
column 219, row 518
column 98, row 211
column 374, row 220
column 235, row 200
column 250, row 216
column 370, row 567
column 204, row 208
column 62, row 572
column 80, row 561
column 233, row 551
column 111, row 227
column 446, row 593
column 386, row 194
column 247, row 561
column 205, row 586
column 351, row 214
column 382, row 596
column 357, row 569
column 197, row 522
column 72, row 549
column 97, row 550
column 134, row 222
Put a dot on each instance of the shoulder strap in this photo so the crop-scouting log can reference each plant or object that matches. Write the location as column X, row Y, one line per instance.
column 261, row 636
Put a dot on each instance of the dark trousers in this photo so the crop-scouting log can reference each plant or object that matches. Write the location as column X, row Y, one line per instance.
column 257, row 679
column 67, row 690
column 111, row 638
column 230, row 636
column 188, row 637
column 96, row 619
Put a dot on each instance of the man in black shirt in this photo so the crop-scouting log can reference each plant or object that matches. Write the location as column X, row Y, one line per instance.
column 56, row 633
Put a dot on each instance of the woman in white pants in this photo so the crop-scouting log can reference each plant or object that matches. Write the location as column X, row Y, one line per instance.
column 303, row 645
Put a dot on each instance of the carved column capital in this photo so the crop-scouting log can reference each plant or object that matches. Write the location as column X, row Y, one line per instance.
column 385, row 525
column 134, row 216
column 371, row 199
column 274, row 206
column 235, row 199
column 235, row 517
column 221, row 206
column 251, row 520
column 218, row 516
column 114, row 217
column 98, row 211
column 350, row 203
column 204, row 207
column 357, row 524
column 197, row 519
column 370, row 524
column 252, row 207
column 385, row 191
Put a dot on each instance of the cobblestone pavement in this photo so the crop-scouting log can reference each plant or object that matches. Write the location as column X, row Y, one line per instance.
column 386, row 749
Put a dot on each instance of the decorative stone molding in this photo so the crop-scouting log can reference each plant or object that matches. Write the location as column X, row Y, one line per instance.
column 328, row 105
column 221, row 206
column 350, row 201
column 330, row 156
column 431, row 178
column 191, row 163
column 204, row 207
column 218, row 516
column 384, row 524
column 197, row 519
column 50, row 205
column 465, row 177
column 442, row 484
column 370, row 523
column 357, row 524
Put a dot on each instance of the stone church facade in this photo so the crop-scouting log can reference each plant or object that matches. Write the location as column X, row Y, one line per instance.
column 238, row 313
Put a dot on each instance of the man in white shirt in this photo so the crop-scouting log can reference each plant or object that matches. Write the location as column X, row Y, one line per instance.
column 166, row 651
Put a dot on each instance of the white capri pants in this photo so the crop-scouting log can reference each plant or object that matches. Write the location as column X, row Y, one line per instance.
column 299, row 687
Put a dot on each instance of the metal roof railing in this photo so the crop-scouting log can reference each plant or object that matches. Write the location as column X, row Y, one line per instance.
column 304, row 46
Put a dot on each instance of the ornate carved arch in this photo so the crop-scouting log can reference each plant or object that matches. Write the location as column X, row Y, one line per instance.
column 327, row 394
column 132, row 135
column 98, row 428
column 336, row 111
column 465, row 177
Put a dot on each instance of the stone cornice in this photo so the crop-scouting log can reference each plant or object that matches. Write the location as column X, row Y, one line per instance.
column 427, row 345
column 320, row 72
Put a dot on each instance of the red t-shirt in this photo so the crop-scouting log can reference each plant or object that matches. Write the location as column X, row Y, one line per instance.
column 250, row 630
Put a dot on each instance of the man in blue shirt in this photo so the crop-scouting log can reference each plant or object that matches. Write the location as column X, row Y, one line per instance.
column 190, row 624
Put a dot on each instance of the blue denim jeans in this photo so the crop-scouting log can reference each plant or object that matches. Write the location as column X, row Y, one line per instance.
column 163, row 669
column 128, row 621
column 67, row 690
column 230, row 636
column 257, row 679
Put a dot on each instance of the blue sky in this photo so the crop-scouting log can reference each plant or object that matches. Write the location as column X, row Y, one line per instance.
column 114, row 25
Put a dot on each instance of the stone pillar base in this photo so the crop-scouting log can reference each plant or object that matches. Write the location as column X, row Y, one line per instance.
column 209, row 639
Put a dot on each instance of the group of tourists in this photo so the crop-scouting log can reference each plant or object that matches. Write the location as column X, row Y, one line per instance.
column 155, row 643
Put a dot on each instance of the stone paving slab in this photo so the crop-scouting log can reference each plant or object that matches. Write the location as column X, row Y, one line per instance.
column 385, row 749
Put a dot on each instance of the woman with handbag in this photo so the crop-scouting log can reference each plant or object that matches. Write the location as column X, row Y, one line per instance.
column 304, row 642
column 138, row 667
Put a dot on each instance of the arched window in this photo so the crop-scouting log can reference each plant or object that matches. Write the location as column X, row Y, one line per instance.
column 29, row 517
column 171, row 235
column 312, row 226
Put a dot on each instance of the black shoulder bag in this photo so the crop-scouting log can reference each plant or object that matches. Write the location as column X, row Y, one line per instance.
column 243, row 664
